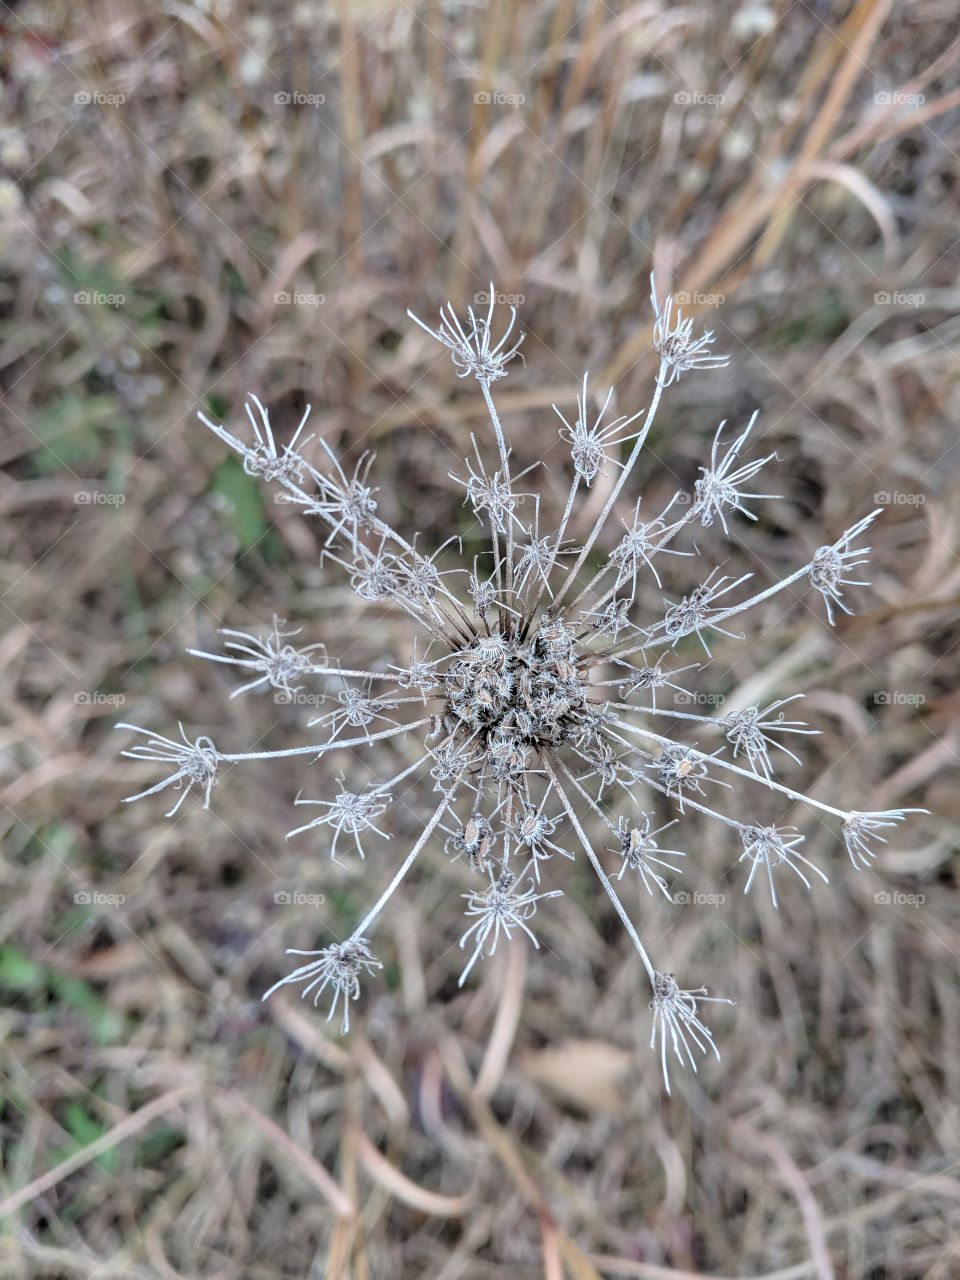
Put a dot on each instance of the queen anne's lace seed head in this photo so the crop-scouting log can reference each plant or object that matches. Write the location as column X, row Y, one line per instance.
column 613, row 618
column 532, row 829
column 589, row 443
column 450, row 761
column 828, row 568
column 340, row 967
column 641, row 854
column 637, row 547
column 474, row 839
column 651, row 677
column 673, row 338
column 420, row 675
column 773, row 847
column 718, row 491
column 194, row 763
column 537, row 558
column 374, row 575
column 680, row 769
column 504, row 906
column 750, row 733
column 360, row 709
column 860, row 829
column 698, row 610
column 262, row 459
column 512, row 728
column 274, row 662
column 491, row 497
column 483, row 593
column 677, row 1024
column 352, row 813
column 471, row 345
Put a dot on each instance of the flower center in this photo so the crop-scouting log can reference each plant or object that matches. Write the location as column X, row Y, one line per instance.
column 532, row 692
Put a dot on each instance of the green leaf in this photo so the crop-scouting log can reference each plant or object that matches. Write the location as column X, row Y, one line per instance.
column 242, row 501
column 18, row 972
column 106, row 1025
column 85, row 1128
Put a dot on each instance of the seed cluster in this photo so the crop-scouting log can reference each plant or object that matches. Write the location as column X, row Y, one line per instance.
column 532, row 704
column 531, row 693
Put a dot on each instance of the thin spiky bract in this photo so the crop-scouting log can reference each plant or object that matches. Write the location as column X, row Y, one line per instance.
column 533, row 697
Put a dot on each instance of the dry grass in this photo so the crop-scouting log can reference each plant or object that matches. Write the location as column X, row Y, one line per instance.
column 158, row 1121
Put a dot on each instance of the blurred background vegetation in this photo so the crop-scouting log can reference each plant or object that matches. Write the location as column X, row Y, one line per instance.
column 200, row 199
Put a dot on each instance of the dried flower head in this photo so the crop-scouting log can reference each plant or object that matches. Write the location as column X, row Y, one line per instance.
column 749, row 731
column 194, row 763
column 677, row 1025
column 339, row 966
column 673, row 338
column 471, row 346
column 859, row 829
column 641, row 853
column 503, row 906
column 269, row 657
column 773, row 847
column 510, row 722
column 352, row 812
column 718, row 491
column 589, row 443
column 829, row 566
